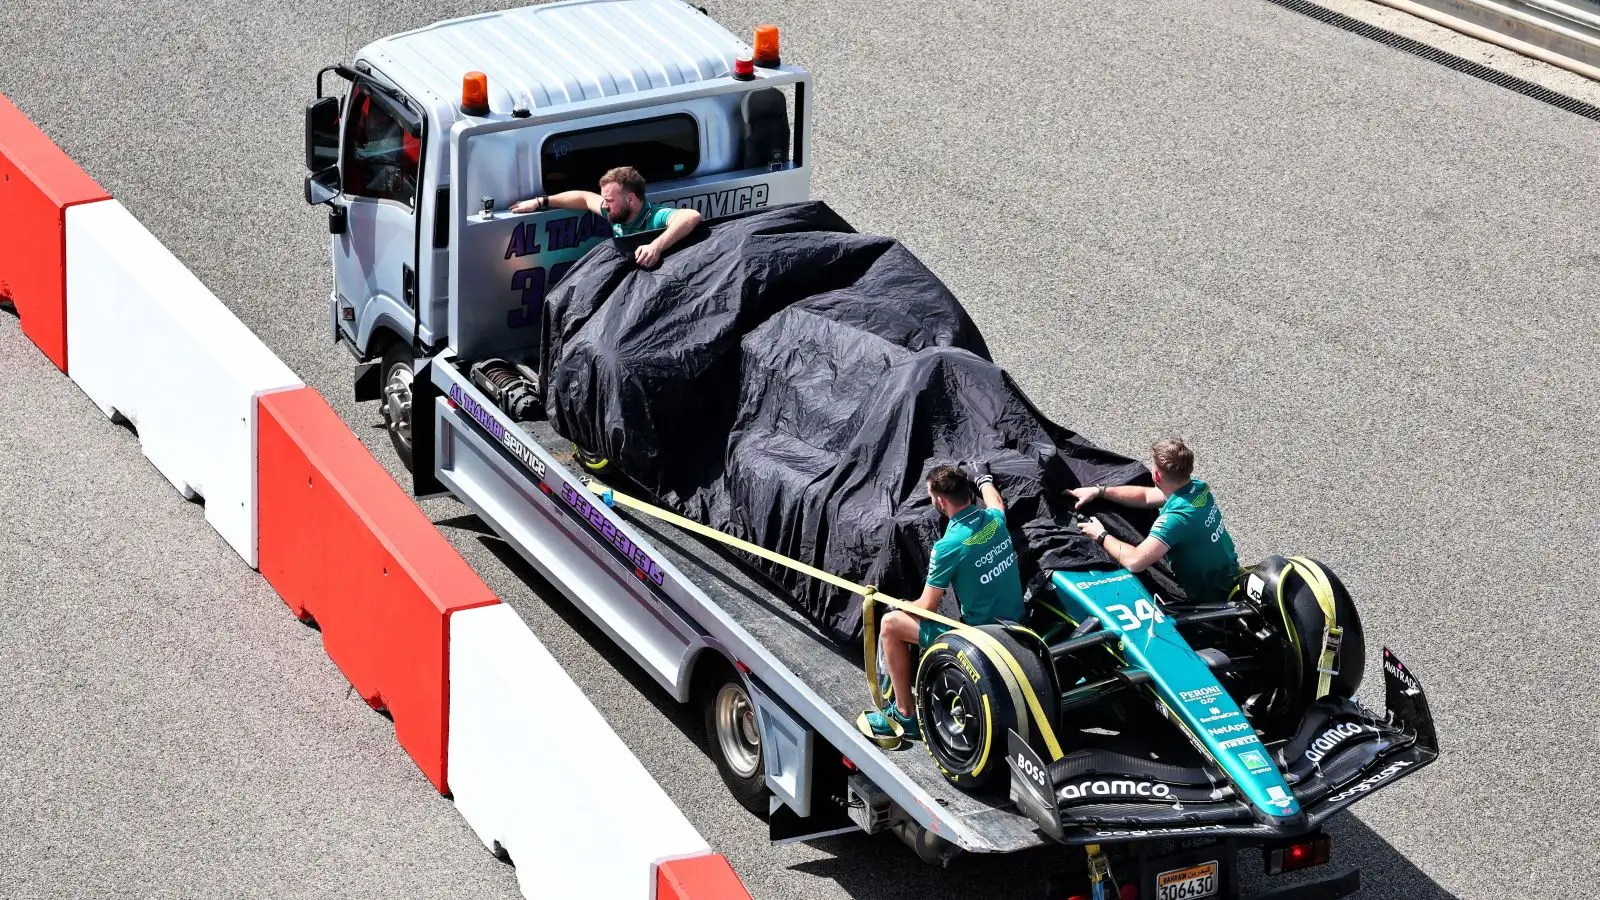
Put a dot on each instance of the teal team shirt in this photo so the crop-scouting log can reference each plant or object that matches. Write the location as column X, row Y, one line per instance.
column 976, row 561
column 1199, row 546
column 652, row 217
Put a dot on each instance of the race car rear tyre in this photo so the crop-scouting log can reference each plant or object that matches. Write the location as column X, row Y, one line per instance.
column 966, row 704
column 733, row 737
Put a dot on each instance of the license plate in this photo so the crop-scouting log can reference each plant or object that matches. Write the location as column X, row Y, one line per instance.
column 1184, row 884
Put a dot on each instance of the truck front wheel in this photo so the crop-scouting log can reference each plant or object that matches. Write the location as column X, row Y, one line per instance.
column 398, row 362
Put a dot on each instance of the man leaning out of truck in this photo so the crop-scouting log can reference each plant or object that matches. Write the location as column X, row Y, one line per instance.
column 621, row 201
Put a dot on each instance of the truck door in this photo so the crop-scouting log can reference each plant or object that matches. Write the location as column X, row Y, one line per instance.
column 374, row 257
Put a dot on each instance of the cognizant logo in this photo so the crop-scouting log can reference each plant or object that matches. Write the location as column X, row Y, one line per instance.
column 1370, row 783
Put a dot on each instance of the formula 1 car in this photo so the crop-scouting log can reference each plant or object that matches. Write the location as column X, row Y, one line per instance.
column 1135, row 719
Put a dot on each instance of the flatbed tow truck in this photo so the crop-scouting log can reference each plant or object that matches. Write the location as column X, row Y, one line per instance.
column 437, row 291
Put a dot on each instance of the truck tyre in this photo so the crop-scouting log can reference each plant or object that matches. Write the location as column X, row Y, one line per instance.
column 733, row 737
column 395, row 402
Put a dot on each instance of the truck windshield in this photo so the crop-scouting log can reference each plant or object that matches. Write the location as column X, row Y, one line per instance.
column 661, row 149
column 381, row 152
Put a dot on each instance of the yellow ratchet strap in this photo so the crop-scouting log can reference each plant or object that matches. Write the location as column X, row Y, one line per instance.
column 998, row 655
column 1332, row 632
column 1099, row 866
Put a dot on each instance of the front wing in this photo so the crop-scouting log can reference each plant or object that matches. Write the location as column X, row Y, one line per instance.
column 1341, row 752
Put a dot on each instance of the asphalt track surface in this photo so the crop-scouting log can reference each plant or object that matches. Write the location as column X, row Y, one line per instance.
column 1358, row 283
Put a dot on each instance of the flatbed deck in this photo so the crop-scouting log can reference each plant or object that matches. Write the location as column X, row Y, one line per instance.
column 834, row 672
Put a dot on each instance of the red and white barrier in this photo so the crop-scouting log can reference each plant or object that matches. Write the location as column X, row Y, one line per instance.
column 38, row 183
column 477, row 701
column 535, row 769
column 704, row 877
column 152, row 344
column 344, row 544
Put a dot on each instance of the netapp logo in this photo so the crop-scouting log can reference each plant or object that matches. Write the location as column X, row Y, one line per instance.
column 1118, row 788
column 1229, row 729
column 1370, row 783
column 1332, row 738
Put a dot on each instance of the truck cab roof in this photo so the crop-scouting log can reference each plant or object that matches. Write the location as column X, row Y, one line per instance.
column 558, row 56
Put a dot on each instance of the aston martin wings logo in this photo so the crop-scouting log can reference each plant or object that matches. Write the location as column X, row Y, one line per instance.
column 983, row 536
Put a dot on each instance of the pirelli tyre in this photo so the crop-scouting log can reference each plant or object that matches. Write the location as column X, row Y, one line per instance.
column 1292, row 613
column 967, row 700
column 592, row 461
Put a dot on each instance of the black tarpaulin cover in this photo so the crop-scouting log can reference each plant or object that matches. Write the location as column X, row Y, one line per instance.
column 791, row 382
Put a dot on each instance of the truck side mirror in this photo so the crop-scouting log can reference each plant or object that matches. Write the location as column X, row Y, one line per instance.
column 322, row 133
column 322, row 186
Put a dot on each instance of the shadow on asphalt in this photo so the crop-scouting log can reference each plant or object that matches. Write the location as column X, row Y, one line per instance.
column 881, row 867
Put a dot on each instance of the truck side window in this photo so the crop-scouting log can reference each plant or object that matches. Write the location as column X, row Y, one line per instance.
column 382, row 153
column 661, row 149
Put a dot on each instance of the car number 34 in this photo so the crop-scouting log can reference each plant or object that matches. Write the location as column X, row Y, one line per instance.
column 1130, row 619
column 1187, row 884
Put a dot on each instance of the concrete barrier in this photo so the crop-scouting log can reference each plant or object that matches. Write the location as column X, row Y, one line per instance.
column 152, row 345
column 536, row 770
column 38, row 183
column 342, row 543
column 477, row 701
column 707, row 877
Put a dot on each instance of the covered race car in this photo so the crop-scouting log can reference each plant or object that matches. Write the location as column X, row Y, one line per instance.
column 790, row 382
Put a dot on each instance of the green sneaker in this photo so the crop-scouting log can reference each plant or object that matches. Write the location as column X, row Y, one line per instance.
column 879, row 722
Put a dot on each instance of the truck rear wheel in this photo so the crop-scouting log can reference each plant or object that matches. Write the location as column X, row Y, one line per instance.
column 733, row 736
column 398, row 362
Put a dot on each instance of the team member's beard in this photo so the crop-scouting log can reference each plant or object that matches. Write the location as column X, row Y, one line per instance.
column 621, row 217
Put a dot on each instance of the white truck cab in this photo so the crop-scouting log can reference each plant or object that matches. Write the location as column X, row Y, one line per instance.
column 443, row 128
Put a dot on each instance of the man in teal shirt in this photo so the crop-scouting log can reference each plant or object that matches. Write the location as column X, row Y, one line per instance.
column 1189, row 531
column 975, row 561
column 621, row 201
